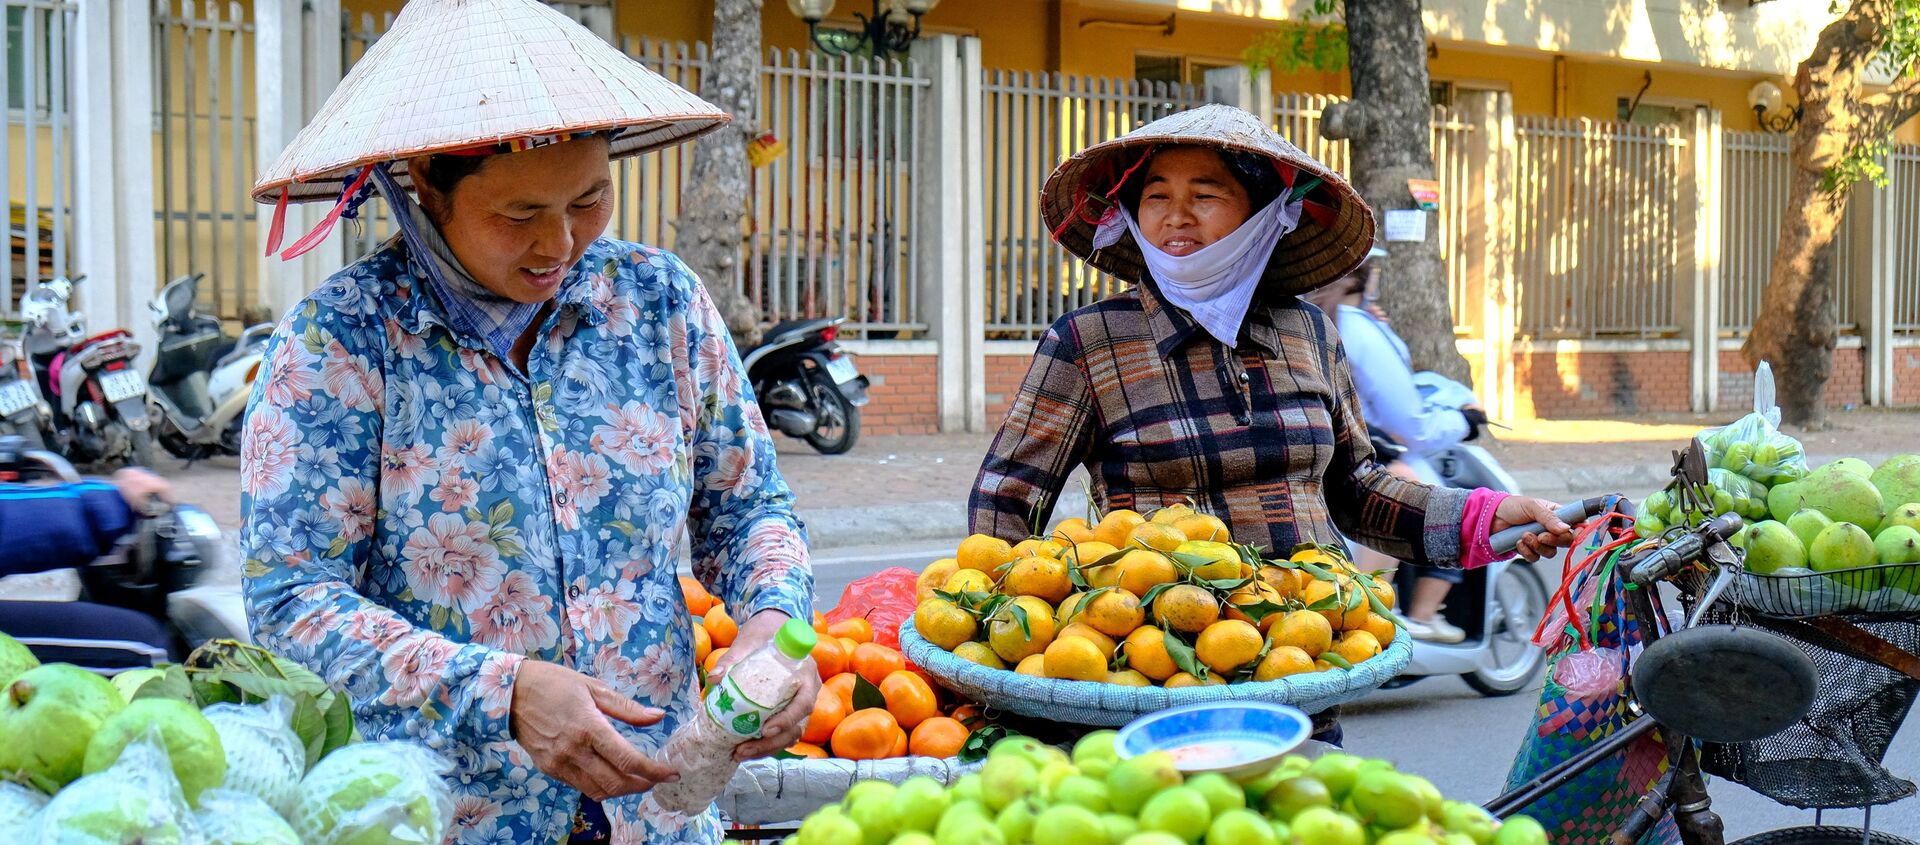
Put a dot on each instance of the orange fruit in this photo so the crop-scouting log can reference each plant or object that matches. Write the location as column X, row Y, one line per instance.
column 702, row 645
column 934, row 577
column 1090, row 634
column 1282, row 661
column 969, row 715
column 819, row 623
column 1030, row 547
column 1167, row 515
column 1089, row 553
column 1200, row 526
column 1043, row 578
column 1302, row 629
column 968, row 581
column 1348, row 610
column 1284, row 581
column 713, row 659
column 1070, row 607
column 1253, row 593
column 842, row 686
column 1382, row 628
column 909, row 698
column 696, row 596
column 875, row 662
column 1012, row 641
column 1141, row 570
column 828, row 711
column 938, row 737
column 1074, row 659
column 981, row 653
column 1383, row 589
column 1115, row 527
column 1182, row 679
column 1146, row 650
column 1222, row 561
column 1074, row 530
column 1128, row 678
column 807, row 750
column 983, row 553
column 865, row 735
column 944, row 623
column 900, row 744
column 858, row 630
column 1228, row 645
column 720, row 627
column 1356, row 646
column 1187, row 608
column 849, row 644
column 1033, row 664
column 1114, row 612
column 1101, row 576
column 1155, row 535
column 830, row 657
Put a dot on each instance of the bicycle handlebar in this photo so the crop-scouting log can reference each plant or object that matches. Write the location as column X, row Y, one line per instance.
column 1661, row 563
column 1572, row 513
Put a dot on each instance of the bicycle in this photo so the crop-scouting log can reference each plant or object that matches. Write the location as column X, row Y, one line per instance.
column 1766, row 683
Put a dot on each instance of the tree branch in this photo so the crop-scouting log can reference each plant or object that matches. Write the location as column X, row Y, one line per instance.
column 1894, row 106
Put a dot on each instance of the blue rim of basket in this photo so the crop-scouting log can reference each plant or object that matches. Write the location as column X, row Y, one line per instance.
column 1369, row 675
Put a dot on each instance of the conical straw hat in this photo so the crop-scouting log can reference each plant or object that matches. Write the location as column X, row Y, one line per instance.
column 1335, row 231
column 458, row 74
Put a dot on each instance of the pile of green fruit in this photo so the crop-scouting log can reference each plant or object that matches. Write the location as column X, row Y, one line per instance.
column 1028, row 792
column 1844, row 516
column 235, row 747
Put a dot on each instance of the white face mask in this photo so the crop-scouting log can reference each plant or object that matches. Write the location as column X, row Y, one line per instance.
column 1215, row 283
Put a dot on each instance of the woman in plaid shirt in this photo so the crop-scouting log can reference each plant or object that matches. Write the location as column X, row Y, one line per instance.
column 1210, row 380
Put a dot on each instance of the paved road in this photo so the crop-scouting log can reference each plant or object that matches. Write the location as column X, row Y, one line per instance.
column 1441, row 729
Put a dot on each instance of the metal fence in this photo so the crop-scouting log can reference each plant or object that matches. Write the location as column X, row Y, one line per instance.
column 1755, row 175
column 374, row 224
column 1596, row 230
column 203, row 96
column 1033, row 121
column 37, row 148
column 1903, row 165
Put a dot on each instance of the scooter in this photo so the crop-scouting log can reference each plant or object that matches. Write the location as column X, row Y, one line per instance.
column 201, row 376
column 159, row 568
column 23, row 411
column 807, row 385
column 97, row 396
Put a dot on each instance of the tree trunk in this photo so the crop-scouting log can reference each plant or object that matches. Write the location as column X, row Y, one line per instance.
column 1796, row 329
column 1389, row 122
column 710, row 233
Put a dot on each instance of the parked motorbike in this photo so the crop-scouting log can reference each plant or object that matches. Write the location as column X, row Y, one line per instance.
column 96, row 394
column 201, row 376
column 23, row 411
column 156, row 569
column 807, row 385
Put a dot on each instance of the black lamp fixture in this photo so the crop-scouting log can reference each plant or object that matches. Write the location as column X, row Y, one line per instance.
column 1769, row 107
column 891, row 28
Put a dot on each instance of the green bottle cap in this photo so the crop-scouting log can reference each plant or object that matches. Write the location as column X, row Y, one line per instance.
column 795, row 639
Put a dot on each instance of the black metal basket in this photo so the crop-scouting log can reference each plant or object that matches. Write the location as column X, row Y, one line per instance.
column 1892, row 590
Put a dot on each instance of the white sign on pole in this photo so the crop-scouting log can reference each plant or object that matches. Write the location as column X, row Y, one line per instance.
column 1406, row 224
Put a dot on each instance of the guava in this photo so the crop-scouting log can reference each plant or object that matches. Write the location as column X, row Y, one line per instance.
column 967, row 788
column 1119, row 827
column 919, row 803
column 1068, row 824
column 968, row 828
column 1897, row 544
column 1084, row 791
column 17, row 805
column 377, row 793
column 192, row 743
column 1016, row 820
column 1134, row 781
column 1844, row 496
column 1472, row 820
column 913, row 837
column 1406, row 837
column 1520, row 830
column 873, row 812
column 1004, row 779
column 1772, row 546
column 1153, row 837
column 47, row 716
column 227, row 817
column 1052, row 773
column 1387, row 799
column 130, row 681
column 1842, row 545
column 1026, row 748
column 1851, row 465
column 1096, row 747
column 1241, row 827
column 830, row 826
column 1180, row 810
column 265, row 758
column 15, row 659
column 1221, row 792
column 1898, row 479
column 1337, row 771
column 1326, row 826
column 1907, row 515
column 135, row 801
column 1807, row 524
column 1783, row 500
column 1289, row 797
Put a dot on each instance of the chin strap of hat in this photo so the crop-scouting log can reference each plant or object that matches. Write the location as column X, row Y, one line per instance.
column 352, row 197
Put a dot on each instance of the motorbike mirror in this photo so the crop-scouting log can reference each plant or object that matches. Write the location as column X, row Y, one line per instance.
column 1725, row 683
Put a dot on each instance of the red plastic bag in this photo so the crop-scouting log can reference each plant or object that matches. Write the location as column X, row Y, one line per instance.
column 884, row 599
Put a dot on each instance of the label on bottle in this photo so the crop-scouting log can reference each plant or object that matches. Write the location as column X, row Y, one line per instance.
column 729, row 707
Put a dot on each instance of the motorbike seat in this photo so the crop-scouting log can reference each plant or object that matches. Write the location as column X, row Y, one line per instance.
column 786, row 331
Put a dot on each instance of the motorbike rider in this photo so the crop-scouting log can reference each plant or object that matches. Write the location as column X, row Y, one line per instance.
column 44, row 527
column 1383, row 377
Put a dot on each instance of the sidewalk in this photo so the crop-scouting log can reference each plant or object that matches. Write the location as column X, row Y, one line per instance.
column 905, row 489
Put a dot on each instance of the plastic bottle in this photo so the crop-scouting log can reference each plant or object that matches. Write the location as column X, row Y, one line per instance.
column 732, row 712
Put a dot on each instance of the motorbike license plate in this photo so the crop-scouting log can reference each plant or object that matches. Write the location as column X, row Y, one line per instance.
column 121, row 385
column 16, row 396
column 841, row 369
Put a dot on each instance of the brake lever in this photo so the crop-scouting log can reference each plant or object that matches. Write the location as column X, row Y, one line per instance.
column 1727, row 568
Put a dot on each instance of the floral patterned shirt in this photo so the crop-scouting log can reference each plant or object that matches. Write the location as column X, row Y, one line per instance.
column 421, row 516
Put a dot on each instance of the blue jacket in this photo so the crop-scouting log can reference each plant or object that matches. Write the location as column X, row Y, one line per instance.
column 59, row 527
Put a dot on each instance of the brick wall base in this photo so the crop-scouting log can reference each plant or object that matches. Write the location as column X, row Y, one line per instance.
column 1906, row 375
column 1600, row 383
column 1004, row 374
column 904, row 397
column 1846, row 386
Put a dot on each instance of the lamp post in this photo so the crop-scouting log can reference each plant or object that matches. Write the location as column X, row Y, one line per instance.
column 1769, row 107
column 893, row 26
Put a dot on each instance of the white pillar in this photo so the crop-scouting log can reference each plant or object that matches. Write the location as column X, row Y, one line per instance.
column 952, row 227
column 1869, row 233
column 113, row 165
column 1700, row 258
column 1237, row 86
column 296, row 65
column 1489, row 243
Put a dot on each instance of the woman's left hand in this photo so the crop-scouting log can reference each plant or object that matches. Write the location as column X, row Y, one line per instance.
column 1520, row 510
column 785, row 727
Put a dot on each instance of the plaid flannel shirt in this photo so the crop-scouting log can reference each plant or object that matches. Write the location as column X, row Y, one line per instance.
column 1267, row 435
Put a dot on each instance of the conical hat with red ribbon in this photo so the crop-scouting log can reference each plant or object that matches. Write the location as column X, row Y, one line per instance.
column 1336, row 227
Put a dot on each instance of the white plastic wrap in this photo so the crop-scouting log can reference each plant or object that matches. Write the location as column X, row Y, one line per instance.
column 230, row 817
column 136, row 799
column 265, row 758
column 393, row 790
column 18, row 804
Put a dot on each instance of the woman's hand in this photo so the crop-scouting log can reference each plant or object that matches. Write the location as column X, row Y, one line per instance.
column 783, row 729
column 1520, row 510
column 560, row 717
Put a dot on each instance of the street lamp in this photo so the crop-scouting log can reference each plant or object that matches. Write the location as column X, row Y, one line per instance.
column 1769, row 107
column 893, row 26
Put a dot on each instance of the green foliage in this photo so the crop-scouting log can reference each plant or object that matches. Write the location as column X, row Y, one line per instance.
column 1318, row 42
column 1898, row 56
column 1862, row 164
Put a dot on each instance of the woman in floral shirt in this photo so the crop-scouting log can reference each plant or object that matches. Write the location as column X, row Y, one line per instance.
column 473, row 454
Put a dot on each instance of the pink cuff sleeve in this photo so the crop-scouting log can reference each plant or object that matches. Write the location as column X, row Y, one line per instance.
column 1476, row 527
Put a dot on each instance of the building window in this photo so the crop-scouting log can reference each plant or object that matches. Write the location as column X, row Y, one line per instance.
column 1652, row 114
column 1440, row 93
column 1178, row 70
column 49, row 59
